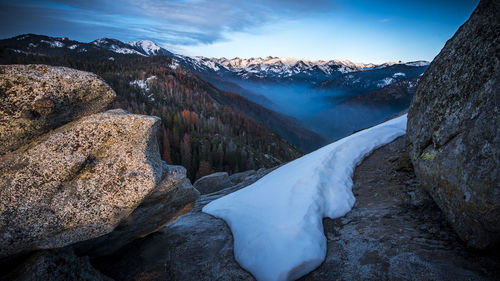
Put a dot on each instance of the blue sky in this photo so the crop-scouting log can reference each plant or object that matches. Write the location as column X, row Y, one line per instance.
column 358, row 30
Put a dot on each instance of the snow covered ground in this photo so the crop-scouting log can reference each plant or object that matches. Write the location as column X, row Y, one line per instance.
column 277, row 221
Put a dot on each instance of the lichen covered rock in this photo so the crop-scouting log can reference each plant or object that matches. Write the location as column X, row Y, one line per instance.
column 37, row 98
column 78, row 182
column 454, row 128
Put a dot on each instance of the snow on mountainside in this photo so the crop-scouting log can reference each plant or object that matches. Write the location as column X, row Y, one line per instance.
column 374, row 78
column 116, row 46
column 273, row 69
column 149, row 47
column 277, row 64
column 279, row 69
column 277, row 221
column 143, row 47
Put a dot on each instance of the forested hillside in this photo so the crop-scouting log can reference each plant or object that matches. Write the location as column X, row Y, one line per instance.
column 203, row 129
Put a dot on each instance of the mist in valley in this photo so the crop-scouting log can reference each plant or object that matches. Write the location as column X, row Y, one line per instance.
column 326, row 112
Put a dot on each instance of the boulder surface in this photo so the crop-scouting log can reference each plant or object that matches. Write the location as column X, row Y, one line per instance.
column 394, row 232
column 63, row 183
column 37, row 98
column 55, row 265
column 174, row 196
column 195, row 246
column 454, row 128
column 78, row 182
column 213, row 182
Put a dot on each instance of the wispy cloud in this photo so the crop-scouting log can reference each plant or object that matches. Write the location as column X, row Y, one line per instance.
column 177, row 22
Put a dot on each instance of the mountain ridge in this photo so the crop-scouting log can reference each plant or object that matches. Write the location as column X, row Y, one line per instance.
column 246, row 68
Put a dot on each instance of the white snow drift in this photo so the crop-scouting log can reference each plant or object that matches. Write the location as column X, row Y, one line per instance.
column 277, row 221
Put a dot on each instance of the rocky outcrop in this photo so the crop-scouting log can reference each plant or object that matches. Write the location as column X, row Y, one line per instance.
column 81, row 180
column 77, row 182
column 35, row 99
column 196, row 246
column 394, row 232
column 454, row 128
column 213, row 182
column 221, row 180
column 55, row 265
column 173, row 197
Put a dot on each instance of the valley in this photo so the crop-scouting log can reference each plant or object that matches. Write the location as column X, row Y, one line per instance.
column 305, row 102
column 172, row 147
column 312, row 92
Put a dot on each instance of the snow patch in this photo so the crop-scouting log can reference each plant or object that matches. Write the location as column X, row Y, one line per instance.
column 72, row 47
column 277, row 221
column 386, row 81
column 398, row 74
column 126, row 51
column 174, row 65
column 53, row 44
column 144, row 85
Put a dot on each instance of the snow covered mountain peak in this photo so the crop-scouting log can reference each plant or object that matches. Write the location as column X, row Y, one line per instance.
column 285, row 61
column 149, row 47
column 279, row 68
column 143, row 47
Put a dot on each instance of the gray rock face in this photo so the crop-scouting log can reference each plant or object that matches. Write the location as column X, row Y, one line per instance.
column 454, row 128
column 174, row 196
column 78, row 182
column 196, row 246
column 56, row 265
column 81, row 180
column 239, row 177
column 394, row 232
column 37, row 98
column 213, row 182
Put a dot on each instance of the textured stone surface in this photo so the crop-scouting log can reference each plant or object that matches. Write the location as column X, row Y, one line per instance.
column 213, row 182
column 394, row 232
column 78, row 182
column 454, row 128
column 37, row 98
column 239, row 177
column 196, row 246
column 174, row 196
column 55, row 265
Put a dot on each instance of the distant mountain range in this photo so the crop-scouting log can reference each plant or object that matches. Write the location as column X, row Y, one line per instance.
column 112, row 51
column 269, row 68
column 285, row 69
column 258, row 80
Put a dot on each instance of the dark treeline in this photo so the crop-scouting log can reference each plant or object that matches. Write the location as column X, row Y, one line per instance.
column 202, row 128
